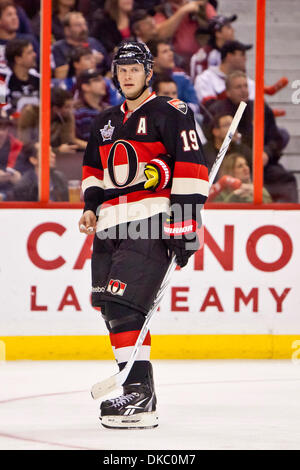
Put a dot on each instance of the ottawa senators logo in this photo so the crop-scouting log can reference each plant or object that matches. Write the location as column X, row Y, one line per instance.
column 179, row 105
column 116, row 287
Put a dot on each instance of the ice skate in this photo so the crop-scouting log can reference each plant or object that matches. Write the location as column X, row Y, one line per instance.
column 135, row 409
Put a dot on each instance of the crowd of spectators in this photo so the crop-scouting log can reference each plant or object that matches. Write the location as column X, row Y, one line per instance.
column 197, row 58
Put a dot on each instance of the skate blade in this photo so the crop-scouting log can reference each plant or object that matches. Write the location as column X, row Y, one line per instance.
column 138, row 421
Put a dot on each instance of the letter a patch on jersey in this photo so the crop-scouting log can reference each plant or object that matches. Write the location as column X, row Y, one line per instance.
column 142, row 126
column 179, row 105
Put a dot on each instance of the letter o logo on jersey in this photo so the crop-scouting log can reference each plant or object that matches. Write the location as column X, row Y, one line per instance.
column 116, row 287
column 132, row 163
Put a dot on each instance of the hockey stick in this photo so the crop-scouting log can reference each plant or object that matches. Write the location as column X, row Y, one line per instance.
column 108, row 385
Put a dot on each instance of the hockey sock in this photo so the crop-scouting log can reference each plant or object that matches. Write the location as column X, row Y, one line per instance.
column 123, row 344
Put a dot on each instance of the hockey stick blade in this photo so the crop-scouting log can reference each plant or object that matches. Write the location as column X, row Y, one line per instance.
column 108, row 385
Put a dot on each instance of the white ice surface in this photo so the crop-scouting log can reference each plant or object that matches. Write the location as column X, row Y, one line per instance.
column 202, row 405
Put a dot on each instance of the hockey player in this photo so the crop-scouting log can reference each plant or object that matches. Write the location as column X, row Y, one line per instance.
column 141, row 158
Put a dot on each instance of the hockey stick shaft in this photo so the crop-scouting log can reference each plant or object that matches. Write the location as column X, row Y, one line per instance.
column 103, row 388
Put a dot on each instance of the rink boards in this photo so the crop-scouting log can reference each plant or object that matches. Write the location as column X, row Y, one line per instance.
column 238, row 297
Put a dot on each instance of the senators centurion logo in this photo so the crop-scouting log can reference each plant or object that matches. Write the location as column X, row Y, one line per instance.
column 116, row 287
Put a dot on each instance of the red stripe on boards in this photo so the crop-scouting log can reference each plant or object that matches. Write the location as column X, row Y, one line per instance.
column 128, row 338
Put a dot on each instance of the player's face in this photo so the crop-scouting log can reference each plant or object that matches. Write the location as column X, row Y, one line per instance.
column 168, row 89
column 238, row 90
column 131, row 79
column 241, row 170
column 165, row 57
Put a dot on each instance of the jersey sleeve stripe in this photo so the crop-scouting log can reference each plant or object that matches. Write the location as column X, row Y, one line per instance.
column 190, row 186
column 88, row 171
column 190, row 170
column 91, row 181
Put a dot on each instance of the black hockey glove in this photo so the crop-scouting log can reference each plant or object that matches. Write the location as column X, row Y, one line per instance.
column 158, row 173
column 183, row 241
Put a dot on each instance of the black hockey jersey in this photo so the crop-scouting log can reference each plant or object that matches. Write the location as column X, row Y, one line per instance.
column 122, row 143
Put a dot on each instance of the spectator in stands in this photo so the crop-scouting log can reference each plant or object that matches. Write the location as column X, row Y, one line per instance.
column 164, row 85
column 164, row 63
column 280, row 183
column 82, row 60
column 210, row 85
column 10, row 147
column 142, row 25
column 60, row 8
column 220, row 31
column 218, row 130
column 63, row 137
column 22, row 84
column 26, row 189
column 28, row 124
column 92, row 91
column 111, row 24
column 76, row 34
column 9, row 26
column 235, row 183
column 183, row 19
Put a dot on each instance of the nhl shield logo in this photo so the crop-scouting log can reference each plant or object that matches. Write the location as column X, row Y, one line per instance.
column 107, row 131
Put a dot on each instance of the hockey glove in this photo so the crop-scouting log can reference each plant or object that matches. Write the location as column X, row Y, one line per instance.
column 158, row 173
column 183, row 241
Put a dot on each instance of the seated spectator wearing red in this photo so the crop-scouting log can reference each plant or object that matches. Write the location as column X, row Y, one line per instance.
column 110, row 25
column 210, row 85
column 215, row 137
column 76, row 34
column 9, row 25
column 60, row 8
column 182, row 23
column 164, row 63
column 92, row 93
column 26, row 188
column 220, row 31
column 22, row 84
column 280, row 183
column 62, row 135
column 235, row 183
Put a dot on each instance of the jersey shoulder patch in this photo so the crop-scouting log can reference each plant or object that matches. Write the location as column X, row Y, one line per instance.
column 179, row 105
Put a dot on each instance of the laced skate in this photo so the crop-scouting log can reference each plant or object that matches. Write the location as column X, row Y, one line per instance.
column 136, row 408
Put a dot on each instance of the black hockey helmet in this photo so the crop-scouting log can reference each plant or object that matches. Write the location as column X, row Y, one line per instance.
column 131, row 52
